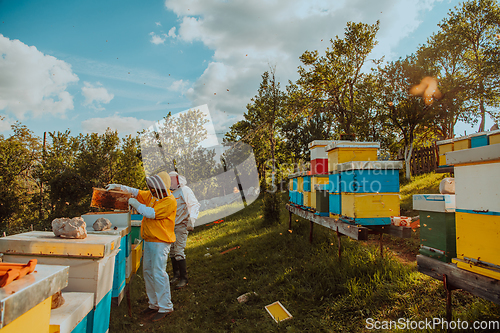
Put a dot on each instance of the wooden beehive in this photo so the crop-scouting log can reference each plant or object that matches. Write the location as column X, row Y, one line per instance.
column 112, row 199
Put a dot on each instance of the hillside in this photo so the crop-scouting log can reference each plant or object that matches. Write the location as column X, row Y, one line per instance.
column 324, row 294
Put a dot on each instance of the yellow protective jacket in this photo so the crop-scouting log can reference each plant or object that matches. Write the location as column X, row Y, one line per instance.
column 161, row 228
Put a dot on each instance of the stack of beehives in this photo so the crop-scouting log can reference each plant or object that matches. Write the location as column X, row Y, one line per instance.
column 347, row 181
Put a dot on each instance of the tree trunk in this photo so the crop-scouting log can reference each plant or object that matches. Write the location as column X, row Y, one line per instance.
column 408, row 153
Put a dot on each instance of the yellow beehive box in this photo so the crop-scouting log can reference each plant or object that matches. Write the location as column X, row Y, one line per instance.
column 300, row 184
column 318, row 180
column 461, row 143
column 347, row 151
column 477, row 239
column 136, row 257
column 494, row 137
column 36, row 320
column 445, row 146
column 370, row 205
column 307, row 199
column 442, row 160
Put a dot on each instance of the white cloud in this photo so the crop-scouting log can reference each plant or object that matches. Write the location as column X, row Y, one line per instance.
column 248, row 37
column 94, row 96
column 31, row 81
column 157, row 39
column 179, row 85
column 5, row 123
column 124, row 125
column 158, row 24
column 171, row 32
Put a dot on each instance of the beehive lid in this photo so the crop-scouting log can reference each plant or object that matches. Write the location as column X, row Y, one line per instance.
column 21, row 295
column 442, row 203
column 76, row 306
column 352, row 144
column 488, row 153
column 460, row 138
column 444, row 142
column 367, row 165
column 318, row 143
column 120, row 231
column 478, row 134
column 117, row 219
column 46, row 243
column 494, row 132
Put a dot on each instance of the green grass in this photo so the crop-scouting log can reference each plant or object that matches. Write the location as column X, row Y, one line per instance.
column 323, row 293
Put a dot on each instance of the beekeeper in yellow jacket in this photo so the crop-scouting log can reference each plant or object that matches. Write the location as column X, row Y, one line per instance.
column 158, row 208
column 187, row 213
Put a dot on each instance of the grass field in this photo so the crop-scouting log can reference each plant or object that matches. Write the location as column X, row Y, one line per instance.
column 323, row 293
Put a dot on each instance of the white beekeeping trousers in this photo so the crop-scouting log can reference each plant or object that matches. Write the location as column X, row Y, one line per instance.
column 156, row 277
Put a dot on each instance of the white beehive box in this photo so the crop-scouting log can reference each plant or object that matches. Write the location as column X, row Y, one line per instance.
column 443, row 203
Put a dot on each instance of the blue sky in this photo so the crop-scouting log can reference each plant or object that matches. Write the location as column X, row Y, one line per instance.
column 89, row 65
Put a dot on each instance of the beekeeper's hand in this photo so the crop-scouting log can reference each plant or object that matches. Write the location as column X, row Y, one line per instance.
column 191, row 223
column 134, row 203
column 113, row 187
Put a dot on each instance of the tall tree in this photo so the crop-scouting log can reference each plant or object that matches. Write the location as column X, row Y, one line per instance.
column 330, row 82
column 406, row 112
column 476, row 23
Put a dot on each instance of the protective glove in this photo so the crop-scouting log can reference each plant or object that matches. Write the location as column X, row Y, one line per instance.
column 113, row 187
column 191, row 223
column 134, row 203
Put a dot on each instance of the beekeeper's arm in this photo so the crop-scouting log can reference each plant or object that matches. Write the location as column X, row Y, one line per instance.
column 193, row 206
column 133, row 191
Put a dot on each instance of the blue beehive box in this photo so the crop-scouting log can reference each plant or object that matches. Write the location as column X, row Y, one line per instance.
column 307, row 183
column 335, row 204
column 478, row 140
column 334, row 183
column 370, row 176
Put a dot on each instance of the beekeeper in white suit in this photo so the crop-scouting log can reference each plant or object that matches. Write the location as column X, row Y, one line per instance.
column 185, row 218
